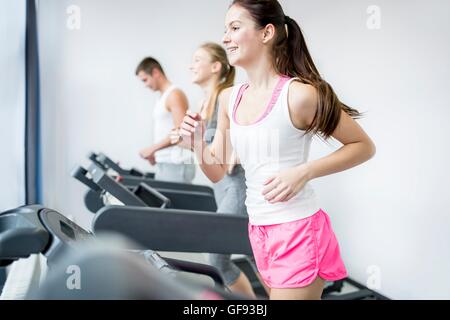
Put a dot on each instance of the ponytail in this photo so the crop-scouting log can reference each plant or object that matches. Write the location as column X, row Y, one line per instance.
column 297, row 62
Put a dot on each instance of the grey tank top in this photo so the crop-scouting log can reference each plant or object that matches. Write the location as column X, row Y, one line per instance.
column 211, row 126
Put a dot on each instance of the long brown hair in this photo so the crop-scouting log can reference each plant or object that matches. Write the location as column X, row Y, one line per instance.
column 290, row 56
column 226, row 76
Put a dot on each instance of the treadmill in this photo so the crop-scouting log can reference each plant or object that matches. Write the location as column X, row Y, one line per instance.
column 134, row 177
column 99, row 182
column 106, row 163
column 197, row 216
column 163, row 228
column 35, row 229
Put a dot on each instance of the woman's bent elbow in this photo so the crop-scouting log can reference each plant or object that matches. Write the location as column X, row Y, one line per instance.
column 372, row 150
column 216, row 178
column 217, row 175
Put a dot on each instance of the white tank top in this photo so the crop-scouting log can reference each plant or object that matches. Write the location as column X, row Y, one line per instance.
column 162, row 124
column 269, row 145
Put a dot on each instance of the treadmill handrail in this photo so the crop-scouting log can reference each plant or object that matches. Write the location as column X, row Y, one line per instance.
column 116, row 189
column 160, row 184
column 110, row 164
column 177, row 230
column 198, row 268
column 80, row 174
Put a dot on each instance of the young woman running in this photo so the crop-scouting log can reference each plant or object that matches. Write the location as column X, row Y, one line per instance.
column 269, row 123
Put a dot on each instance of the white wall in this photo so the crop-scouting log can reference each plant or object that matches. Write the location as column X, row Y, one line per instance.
column 12, row 107
column 390, row 212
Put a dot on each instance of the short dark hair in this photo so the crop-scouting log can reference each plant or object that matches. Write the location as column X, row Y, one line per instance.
column 148, row 64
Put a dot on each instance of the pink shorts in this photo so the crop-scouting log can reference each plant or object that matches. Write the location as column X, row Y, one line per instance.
column 293, row 254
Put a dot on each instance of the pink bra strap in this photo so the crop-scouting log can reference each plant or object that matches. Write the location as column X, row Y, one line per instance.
column 238, row 99
column 275, row 95
column 273, row 100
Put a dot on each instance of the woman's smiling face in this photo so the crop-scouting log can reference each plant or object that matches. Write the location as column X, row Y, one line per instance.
column 242, row 39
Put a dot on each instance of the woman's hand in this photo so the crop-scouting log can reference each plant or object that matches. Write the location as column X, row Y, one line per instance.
column 286, row 184
column 148, row 154
column 177, row 139
column 191, row 130
column 174, row 136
